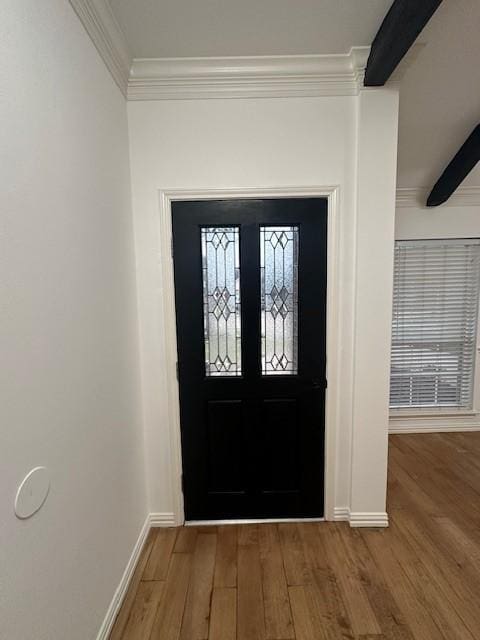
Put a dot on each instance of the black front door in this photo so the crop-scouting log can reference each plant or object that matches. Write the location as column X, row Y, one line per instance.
column 250, row 288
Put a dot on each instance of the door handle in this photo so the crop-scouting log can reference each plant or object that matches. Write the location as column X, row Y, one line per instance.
column 318, row 383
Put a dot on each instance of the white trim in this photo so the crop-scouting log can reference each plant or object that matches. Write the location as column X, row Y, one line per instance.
column 361, row 519
column 417, row 197
column 107, row 36
column 248, row 76
column 429, row 423
column 423, row 428
column 163, row 520
column 341, row 514
column 368, row 519
column 152, row 520
column 166, row 287
column 121, row 590
column 431, row 413
column 411, row 197
column 204, row 523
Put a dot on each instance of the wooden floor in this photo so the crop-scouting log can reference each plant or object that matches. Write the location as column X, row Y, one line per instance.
column 418, row 579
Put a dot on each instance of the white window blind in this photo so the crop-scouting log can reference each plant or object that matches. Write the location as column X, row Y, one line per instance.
column 434, row 332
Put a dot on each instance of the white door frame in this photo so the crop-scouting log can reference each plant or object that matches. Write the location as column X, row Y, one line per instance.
column 167, row 291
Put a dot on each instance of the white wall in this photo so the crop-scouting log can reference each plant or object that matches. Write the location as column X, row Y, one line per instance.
column 69, row 381
column 258, row 143
column 376, row 172
column 446, row 221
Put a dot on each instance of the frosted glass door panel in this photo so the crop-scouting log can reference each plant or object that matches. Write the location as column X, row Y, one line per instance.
column 221, row 301
column 279, row 300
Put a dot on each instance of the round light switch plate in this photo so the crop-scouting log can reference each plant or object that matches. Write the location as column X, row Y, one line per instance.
column 32, row 492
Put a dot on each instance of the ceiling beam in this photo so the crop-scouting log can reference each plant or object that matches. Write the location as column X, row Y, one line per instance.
column 398, row 31
column 465, row 159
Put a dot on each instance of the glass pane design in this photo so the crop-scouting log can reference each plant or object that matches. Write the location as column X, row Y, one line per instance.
column 221, row 301
column 279, row 299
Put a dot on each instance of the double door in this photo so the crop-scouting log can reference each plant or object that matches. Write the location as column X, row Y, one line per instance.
column 250, row 289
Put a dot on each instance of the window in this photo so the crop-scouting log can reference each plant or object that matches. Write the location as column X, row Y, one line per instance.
column 279, row 299
column 278, row 304
column 221, row 301
column 434, row 331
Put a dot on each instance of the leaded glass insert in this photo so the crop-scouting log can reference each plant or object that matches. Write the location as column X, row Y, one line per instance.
column 221, row 301
column 279, row 299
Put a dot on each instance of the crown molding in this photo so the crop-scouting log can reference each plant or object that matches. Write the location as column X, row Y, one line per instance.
column 247, row 76
column 107, row 36
column 417, row 197
column 227, row 77
column 411, row 197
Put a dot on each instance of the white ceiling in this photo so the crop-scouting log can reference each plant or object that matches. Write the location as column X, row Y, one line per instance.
column 184, row 28
column 440, row 94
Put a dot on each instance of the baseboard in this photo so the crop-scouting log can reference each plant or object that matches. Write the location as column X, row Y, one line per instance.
column 152, row 520
column 368, row 519
column 416, row 427
column 121, row 590
column 163, row 520
column 360, row 518
column 422, row 422
column 341, row 514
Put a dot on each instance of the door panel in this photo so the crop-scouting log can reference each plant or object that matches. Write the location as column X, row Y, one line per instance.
column 226, row 440
column 250, row 287
column 280, row 435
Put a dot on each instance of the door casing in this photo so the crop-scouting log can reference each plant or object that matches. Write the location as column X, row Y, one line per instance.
column 166, row 286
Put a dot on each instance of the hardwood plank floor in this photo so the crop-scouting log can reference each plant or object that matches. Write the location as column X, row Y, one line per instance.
column 417, row 580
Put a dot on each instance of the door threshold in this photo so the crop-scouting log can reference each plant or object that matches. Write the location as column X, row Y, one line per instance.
column 200, row 523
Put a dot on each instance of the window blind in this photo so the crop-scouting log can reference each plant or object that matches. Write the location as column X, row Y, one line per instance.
column 435, row 314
